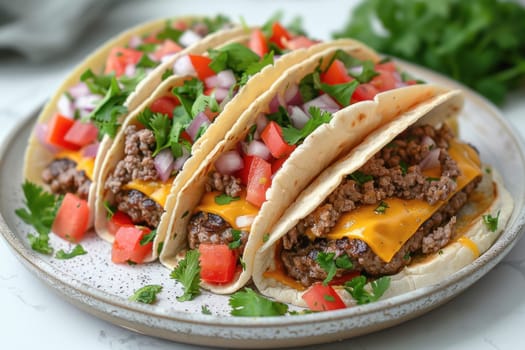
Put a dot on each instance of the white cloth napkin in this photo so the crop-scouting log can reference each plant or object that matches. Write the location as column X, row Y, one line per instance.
column 41, row 29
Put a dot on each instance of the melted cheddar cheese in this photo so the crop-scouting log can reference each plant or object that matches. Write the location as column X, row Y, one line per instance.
column 386, row 233
column 229, row 212
column 158, row 191
column 83, row 163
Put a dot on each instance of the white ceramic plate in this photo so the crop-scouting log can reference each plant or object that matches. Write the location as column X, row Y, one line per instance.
column 99, row 287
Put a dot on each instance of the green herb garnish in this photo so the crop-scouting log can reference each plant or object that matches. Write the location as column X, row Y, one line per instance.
column 330, row 264
column 236, row 243
column 491, row 221
column 293, row 136
column 356, row 288
column 381, row 208
column 188, row 274
column 250, row 304
column 76, row 251
column 223, row 199
column 146, row 294
column 150, row 237
column 360, row 177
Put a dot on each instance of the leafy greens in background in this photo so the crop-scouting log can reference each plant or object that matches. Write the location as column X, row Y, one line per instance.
column 480, row 42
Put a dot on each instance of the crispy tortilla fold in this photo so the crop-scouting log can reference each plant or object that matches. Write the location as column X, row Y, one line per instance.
column 347, row 128
column 257, row 85
column 38, row 157
column 472, row 239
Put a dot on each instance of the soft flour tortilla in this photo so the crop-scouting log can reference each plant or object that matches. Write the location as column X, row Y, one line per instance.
column 37, row 157
column 347, row 129
column 257, row 85
column 430, row 270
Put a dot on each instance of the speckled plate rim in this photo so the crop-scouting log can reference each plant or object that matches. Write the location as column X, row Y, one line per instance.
column 262, row 332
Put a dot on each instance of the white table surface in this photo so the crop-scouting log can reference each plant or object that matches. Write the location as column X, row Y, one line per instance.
column 489, row 315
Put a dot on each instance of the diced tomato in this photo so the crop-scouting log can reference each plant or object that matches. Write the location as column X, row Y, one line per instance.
column 218, row 263
column 118, row 219
column 364, row 92
column 72, row 219
column 201, row 66
column 258, row 43
column 119, row 58
column 211, row 115
column 57, row 130
column 339, row 281
column 272, row 136
column 277, row 164
column 168, row 47
column 127, row 247
column 322, row 298
column 411, row 82
column 184, row 135
column 388, row 66
column 279, row 35
column 300, row 42
column 245, row 171
column 151, row 39
column 164, row 105
column 259, row 180
column 81, row 133
column 180, row 25
column 384, row 81
column 336, row 74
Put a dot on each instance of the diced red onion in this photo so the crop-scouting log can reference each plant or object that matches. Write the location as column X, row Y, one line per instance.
column 134, row 41
column 431, row 160
column 200, row 120
column 323, row 102
column 88, row 102
column 229, row 162
column 130, row 70
column 220, row 94
column 212, row 81
column 261, row 121
column 189, row 37
column 179, row 162
column 226, row 78
column 298, row 117
column 41, row 130
column 357, row 70
column 292, row 96
column 90, row 151
column 81, row 89
column 65, row 106
column 258, row 148
column 244, row 220
column 164, row 164
column 183, row 66
column 274, row 104
column 428, row 141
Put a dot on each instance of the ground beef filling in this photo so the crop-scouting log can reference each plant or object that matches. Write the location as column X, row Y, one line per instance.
column 62, row 177
column 137, row 164
column 213, row 229
column 392, row 172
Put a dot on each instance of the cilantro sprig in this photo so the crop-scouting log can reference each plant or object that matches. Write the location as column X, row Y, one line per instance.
column 329, row 263
column 356, row 288
column 248, row 303
column 491, row 222
column 293, row 136
column 188, row 274
column 40, row 212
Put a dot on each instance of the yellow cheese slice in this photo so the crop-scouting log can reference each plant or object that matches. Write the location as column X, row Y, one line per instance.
column 229, row 212
column 83, row 163
column 386, row 232
column 158, row 191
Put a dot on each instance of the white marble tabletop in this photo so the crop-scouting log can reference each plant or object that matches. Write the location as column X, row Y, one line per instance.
column 489, row 315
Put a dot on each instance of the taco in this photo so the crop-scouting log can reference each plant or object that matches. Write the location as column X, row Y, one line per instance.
column 406, row 208
column 316, row 111
column 76, row 127
column 164, row 139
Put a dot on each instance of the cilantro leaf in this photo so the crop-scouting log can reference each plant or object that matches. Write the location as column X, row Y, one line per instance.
column 360, row 177
column 150, row 237
column 342, row 93
column 205, row 310
column 236, row 243
column 146, row 294
column 256, row 67
column 97, row 84
column 281, row 117
column 367, row 72
column 356, row 288
column 381, row 207
column 146, row 62
column 234, row 56
column 248, row 303
column 491, row 222
column 202, row 102
column 161, row 126
column 307, row 88
column 167, row 73
column 41, row 208
column 215, row 23
column 168, row 32
column 293, row 136
column 223, row 199
column 329, row 263
column 188, row 274
column 188, row 92
column 76, row 251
